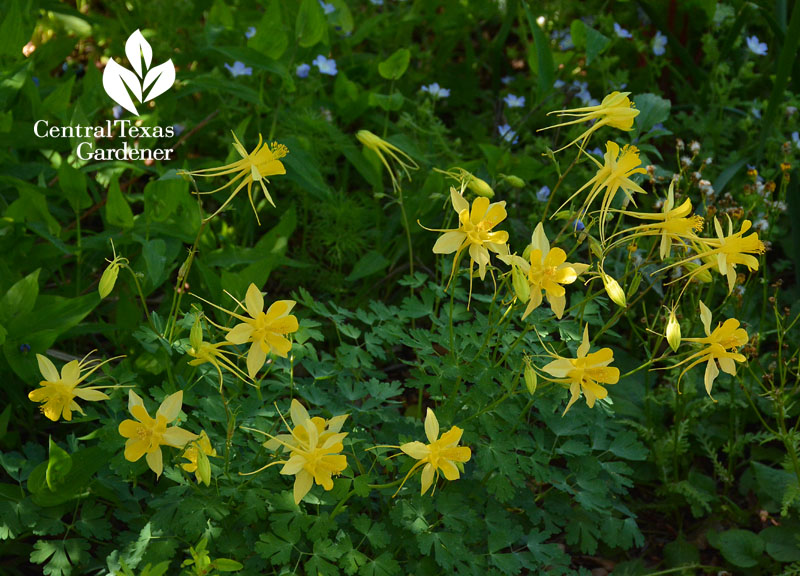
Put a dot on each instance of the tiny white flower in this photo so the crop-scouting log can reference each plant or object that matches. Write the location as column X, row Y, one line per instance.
column 514, row 101
column 325, row 65
column 239, row 69
column 621, row 32
column 507, row 133
column 756, row 47
column 659, row 44
column 436, row 91
column 694, row 146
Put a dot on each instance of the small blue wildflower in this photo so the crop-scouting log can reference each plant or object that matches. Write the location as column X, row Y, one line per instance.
column 178, row 129
column 659, row 44
column 621, row 32
column 24, row 348
column 376, row 2
column 506, row 80
column 796, row 139
column 239, row 69
column 566, row 43
column 302, row 70
column 583, row 91
column 756, row 47
column 558, row 84
column 35, row 81
column 543, row 194
column 755, row 112
column 327, row 8
column 325, row 65
column 507, row 133
column 64, row 67
column 597, row 151
column 436, row 91
column 579, row 226
column 117, row 112
column 514, row 101
column 251, row 31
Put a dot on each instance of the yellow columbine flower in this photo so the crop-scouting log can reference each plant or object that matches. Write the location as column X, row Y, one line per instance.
column 612, row 287
column 616, row 110
column 202, row 445
column 720, row 345
column 256, row 166
column 546, row 271
column 58, row 392
column 585, row 373
column 314, row 447
column 299, row 416
column 382, row 149
column 265, row 330
column 474, row 233
column 725, row 252
column 673, row 224
column 612, row 176
column 146, row 435
column 206, row 352
column 441, row 454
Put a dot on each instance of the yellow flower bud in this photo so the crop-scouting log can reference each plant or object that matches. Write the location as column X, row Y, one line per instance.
column 703, row 275
column 520, row 284
column 531, row 380
column 480, row 187
column 673, row 331
column 108, row 279
column 515, row 181
column 613, row 289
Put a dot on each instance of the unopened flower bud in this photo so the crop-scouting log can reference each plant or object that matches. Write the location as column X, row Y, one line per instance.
column 673, row 331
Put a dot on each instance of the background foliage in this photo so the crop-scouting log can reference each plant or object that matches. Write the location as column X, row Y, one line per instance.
column 652, row 482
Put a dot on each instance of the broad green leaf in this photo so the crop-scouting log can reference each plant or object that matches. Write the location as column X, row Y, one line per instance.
column 271, row 38
column 652, row 110
column 16, row 27
column 58, row 466
column 545, row 69
column 311, row 26
column 371, row 263
column 782, row 542
column 74, row 184
column 118, row 211
column 742, row 548
column 20, row 298
column 226, row 565
column 596, row 43
column 395, row 65
column 389, row 102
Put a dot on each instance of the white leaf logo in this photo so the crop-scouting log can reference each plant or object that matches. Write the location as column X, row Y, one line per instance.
column 120, row 83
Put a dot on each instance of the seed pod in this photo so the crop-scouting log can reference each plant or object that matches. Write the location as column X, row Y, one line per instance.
column 203, row 467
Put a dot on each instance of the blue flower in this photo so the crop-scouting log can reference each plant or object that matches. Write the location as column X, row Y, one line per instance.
column 597, row 152
column 117, row 112
column 621, row 32
column 436, row 91
column 239, row 69
column 756, row 47
column 251, row 31
column 327, row 8
column 325, row 65
column 514, row 101
column 302, row 70
column 566, row 42
column 543, row 194
column 178, row 129
column 24, row 348
column 579, row 226
column 506, row 80
column 659, row 44
column 508, row 134
column 558, row 84
column 35, row 81
column 583, row 92
column 376, row 2
column 796, row 139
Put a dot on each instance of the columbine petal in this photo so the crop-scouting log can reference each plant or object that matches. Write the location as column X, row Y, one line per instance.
column 240, row 333
column 178, row 437
column 47, row 368
column 431, row 426
column 254, row 301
